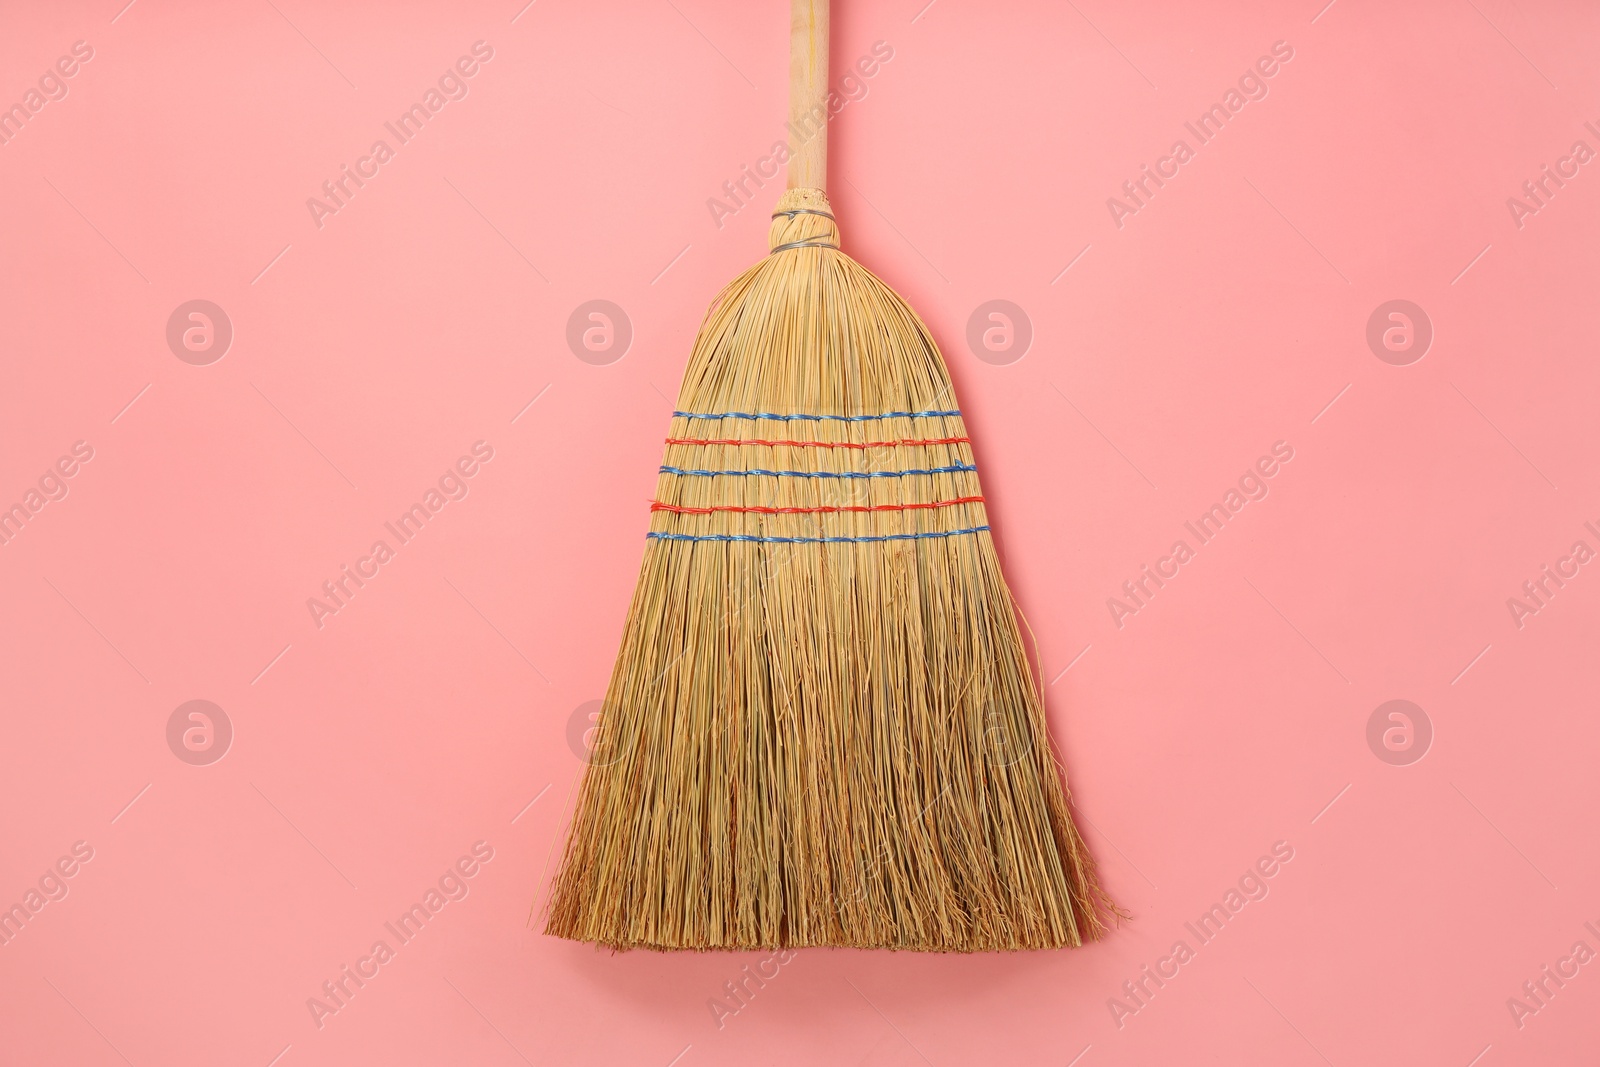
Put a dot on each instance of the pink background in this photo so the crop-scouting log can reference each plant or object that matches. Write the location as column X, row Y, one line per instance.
column 1229, row 313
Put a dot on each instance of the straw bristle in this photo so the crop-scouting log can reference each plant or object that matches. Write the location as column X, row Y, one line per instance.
column 810, row 738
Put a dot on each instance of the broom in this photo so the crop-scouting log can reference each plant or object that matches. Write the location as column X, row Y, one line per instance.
column 822, row 727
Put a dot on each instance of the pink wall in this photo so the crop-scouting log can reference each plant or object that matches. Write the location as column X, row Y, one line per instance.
column 1171, row 347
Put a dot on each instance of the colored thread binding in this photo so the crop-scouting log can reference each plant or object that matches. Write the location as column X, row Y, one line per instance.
column 810, row 418
column 951, row 469
column 819, row 444
column 678, row 509
column 811, row 540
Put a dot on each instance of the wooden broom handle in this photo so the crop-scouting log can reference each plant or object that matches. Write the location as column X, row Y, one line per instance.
column 808, row 94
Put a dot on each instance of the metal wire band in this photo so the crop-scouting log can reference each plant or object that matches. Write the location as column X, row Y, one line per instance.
column 804, row 244
column 803, row 211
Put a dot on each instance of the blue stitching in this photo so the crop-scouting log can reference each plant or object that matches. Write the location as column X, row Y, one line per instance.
column 825, row 474
column 811, row 418
column 809, row 540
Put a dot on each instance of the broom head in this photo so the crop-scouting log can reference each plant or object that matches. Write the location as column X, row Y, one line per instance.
column 822, row 727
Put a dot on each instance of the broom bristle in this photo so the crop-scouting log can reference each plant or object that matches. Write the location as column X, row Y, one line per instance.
column 822, row 727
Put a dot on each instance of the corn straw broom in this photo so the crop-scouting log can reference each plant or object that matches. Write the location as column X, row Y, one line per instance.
column 822, row 727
